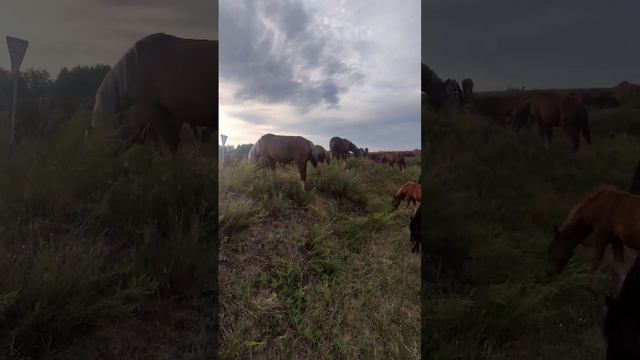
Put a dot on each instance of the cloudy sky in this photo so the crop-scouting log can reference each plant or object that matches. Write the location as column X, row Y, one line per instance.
column 533, row 43
column 321, row 69
column 87, row 32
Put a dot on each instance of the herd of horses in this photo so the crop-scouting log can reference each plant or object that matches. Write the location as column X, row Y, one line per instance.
column 546, row 109
column 607, row 214
column 270, row 150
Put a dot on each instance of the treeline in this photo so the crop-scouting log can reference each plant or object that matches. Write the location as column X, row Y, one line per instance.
column 235, row 151
column 43, row 102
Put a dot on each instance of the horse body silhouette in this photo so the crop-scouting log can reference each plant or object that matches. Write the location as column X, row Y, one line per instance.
column 271, row 149
column 144, row 82
column 607, row 213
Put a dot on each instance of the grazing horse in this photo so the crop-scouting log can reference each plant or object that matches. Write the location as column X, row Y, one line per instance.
column 433, row 86
column 498, row 108
column 323, row 155
column 622, row 320
column 415, row 227
column 340, row 148
column 607, row 213
column 410, row 191
column 145, row 83
column 394, row 159
column 550, row 110
column 454, row 93
column 271, row 149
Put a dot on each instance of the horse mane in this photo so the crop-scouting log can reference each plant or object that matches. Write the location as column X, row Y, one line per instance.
column 587, row 200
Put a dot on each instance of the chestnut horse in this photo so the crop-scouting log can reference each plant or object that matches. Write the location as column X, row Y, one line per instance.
column 410, row 191
column 549, row 110
column 271, row 149
column 607, row 213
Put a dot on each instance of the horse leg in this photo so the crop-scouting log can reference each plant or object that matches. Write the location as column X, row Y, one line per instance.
column 302, row 168
column 617, row 248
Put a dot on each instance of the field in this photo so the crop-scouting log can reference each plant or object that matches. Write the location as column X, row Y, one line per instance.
column 491, row 199
column 106, row 257
column 322, row 274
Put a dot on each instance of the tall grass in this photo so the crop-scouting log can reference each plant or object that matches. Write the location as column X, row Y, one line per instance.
column 326, row 273
column 93, row 242
column 491, row 199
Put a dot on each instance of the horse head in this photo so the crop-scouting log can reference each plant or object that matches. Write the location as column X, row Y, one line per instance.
column 559, row 251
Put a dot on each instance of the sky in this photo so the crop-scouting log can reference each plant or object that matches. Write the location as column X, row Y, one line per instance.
column 321, row 68
column 88, row 32
column 533, row 43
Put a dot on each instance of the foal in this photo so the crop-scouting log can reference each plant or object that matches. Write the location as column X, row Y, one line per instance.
column 411, row 191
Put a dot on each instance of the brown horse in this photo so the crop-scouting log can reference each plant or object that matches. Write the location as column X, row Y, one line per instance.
column 607, row 213
column 415, row 227
column 410, row 191
column 340, row 148
column 143, row 94
column 271, row 149
column 550, row 109
column 322, row 155
column 394, row 159
column 622, row 321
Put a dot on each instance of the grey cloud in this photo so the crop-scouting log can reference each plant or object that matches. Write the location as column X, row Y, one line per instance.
column 273, row 49
column 540, row 44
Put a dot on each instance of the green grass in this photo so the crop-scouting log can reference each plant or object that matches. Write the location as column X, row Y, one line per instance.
column 322, row 274
column 491, row 199
column 104, row 253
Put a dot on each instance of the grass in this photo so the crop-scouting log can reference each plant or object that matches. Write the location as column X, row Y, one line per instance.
column 492, row 197
column 102, row 256
column 321, row 274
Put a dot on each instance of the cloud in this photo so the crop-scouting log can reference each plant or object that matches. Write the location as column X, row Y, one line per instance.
column 87, row 32
column 284, row 52
column 502, row 43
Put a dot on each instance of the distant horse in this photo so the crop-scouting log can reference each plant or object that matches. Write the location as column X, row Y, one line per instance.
column 271, row 149
column 394, row 159
column 549, row 110
column 622, row 320
column 410, row 191
column 467, row 89
column 340, row 148
column 454, row 93
column 323, row 155
column 415, row 227
column 607, row 213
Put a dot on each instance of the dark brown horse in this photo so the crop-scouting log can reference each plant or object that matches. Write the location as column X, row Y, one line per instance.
column 607, row 213
column 433, row 88
column 550, row 109
column 394, row 158
column 144, row 94
column 622, row 321
column 340, row 148
column 410, row 191
column 271, row 149
column 415, row 227
column 467, row 89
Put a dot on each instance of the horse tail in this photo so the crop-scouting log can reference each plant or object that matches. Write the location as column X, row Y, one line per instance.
column 313, row 154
